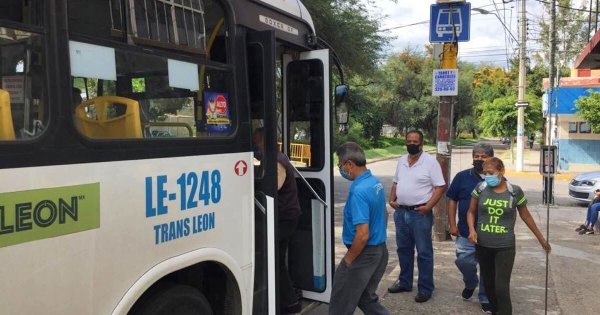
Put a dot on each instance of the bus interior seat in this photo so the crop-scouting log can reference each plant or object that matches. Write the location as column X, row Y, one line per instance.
column 109, row 117
column 7, row 130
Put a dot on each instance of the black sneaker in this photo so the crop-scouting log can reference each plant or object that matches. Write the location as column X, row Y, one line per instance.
column 589, row 231
column 486, row 308
column 581, row 227
column 396, row 288
column 583, row 231
column 467, row 293
column 422, row 297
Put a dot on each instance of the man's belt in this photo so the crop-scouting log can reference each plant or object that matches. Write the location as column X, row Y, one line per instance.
column 411, row 208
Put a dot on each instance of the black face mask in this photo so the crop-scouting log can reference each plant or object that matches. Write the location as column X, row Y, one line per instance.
column 413, row 149
column 478, row 166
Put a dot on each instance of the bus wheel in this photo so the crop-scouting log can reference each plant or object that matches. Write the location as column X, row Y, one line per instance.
column 178, row 300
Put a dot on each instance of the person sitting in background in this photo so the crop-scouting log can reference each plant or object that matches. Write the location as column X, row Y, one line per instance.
column 592, row 215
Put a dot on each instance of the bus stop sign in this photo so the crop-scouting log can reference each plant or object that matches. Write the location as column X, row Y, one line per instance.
column 450, row 22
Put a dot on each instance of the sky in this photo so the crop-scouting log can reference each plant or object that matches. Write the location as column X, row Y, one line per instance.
column 489, row 43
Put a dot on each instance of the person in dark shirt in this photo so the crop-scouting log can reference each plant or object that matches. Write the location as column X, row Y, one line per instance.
column 288, row 212
column 459, row 195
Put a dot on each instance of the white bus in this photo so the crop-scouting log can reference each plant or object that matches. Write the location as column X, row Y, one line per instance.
column 127, row 178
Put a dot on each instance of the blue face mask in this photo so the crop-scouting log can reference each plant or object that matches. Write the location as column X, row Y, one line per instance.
column 344, row 174
column 492, row 180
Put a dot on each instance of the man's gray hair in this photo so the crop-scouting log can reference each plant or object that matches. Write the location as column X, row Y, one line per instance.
column 483, row 148
column 351, row 151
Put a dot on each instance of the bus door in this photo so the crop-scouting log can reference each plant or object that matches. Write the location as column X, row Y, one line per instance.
column 307, row 142
column 261, row 89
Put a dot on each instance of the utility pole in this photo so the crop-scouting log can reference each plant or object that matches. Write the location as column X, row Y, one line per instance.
column 521, row 103
column 444, row 134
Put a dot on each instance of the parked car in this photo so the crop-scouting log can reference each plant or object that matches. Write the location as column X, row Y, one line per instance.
column 582, row 186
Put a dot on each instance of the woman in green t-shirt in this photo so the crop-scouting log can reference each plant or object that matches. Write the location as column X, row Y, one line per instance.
column 495, row 203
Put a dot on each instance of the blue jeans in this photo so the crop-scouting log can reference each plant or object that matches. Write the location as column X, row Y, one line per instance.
column 592, row 214
column 414, row 229
column 466, row 261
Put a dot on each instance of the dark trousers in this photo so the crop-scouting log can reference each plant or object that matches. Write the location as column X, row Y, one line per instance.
column 287, row 295
column 496, row 266
column 355, row 285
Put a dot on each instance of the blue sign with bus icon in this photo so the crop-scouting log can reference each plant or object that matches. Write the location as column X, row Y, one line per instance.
column 450, row 22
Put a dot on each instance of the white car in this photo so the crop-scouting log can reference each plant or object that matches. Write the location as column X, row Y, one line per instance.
column 583, row 186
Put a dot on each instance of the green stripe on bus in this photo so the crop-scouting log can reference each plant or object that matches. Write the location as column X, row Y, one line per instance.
column 37, row 214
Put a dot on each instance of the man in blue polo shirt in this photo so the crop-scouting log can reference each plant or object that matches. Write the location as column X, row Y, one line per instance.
column 364, row 234
column 459, row 194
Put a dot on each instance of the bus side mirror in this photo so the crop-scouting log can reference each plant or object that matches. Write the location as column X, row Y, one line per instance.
column 341, row 109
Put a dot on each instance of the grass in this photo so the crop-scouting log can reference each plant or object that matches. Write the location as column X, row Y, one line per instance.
column 461, row 141
column 394, row 147
column 391, row 151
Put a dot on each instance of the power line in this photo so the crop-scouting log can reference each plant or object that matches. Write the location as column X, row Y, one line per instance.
column 566, row 7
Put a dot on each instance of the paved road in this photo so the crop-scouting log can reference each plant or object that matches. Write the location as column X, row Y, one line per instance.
column 574, row 263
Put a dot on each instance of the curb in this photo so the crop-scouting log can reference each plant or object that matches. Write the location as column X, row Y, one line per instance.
column 510, row 173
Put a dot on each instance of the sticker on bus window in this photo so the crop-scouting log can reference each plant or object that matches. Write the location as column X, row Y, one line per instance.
column 216, row 107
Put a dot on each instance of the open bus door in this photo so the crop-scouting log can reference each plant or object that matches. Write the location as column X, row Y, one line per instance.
column 303, row 122
column 261, row 89
column 307, row 141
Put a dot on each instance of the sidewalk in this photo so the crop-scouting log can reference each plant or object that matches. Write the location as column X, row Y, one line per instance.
column 531, row 166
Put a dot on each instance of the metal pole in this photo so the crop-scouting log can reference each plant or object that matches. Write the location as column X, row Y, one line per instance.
column 522, row 83
column 548, row 179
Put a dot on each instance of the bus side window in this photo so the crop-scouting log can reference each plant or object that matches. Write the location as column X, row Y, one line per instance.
column 109, row 117
column 24, row 112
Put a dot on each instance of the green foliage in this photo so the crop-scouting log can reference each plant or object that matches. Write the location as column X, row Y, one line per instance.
column 499, row 118
column 490, row 83
column 367, row 113
column 571, row 32
column 588, row 108
column 350, row 28
column 354, row 134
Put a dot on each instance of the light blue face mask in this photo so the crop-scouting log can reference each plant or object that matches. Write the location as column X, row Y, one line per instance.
column 343, row 172
column 492, row 180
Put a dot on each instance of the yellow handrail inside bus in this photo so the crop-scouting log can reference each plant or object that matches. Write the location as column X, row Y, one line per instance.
column 104, row 117
column 7, row 131
column 211, row 41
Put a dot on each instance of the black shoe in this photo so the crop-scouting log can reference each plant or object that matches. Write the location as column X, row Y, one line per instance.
column 589, row 231
column 292, row 309
column 581, row 227
column 421, row 297
column 467, row 293
column 396, row 288
column 486, row 308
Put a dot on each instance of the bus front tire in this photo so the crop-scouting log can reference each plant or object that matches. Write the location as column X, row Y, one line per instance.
column 178, row 300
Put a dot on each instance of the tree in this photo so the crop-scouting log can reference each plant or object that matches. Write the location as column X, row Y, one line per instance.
column 406, row 92
column 588, row 107
column 499, row 117
column 571, row 33
column 350, row 29
column 490, row 83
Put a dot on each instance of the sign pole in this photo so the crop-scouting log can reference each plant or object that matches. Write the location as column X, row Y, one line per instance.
column 444, row 140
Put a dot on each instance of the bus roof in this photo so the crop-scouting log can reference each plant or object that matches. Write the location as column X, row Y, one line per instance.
column 288, row 18
column 292, row 7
